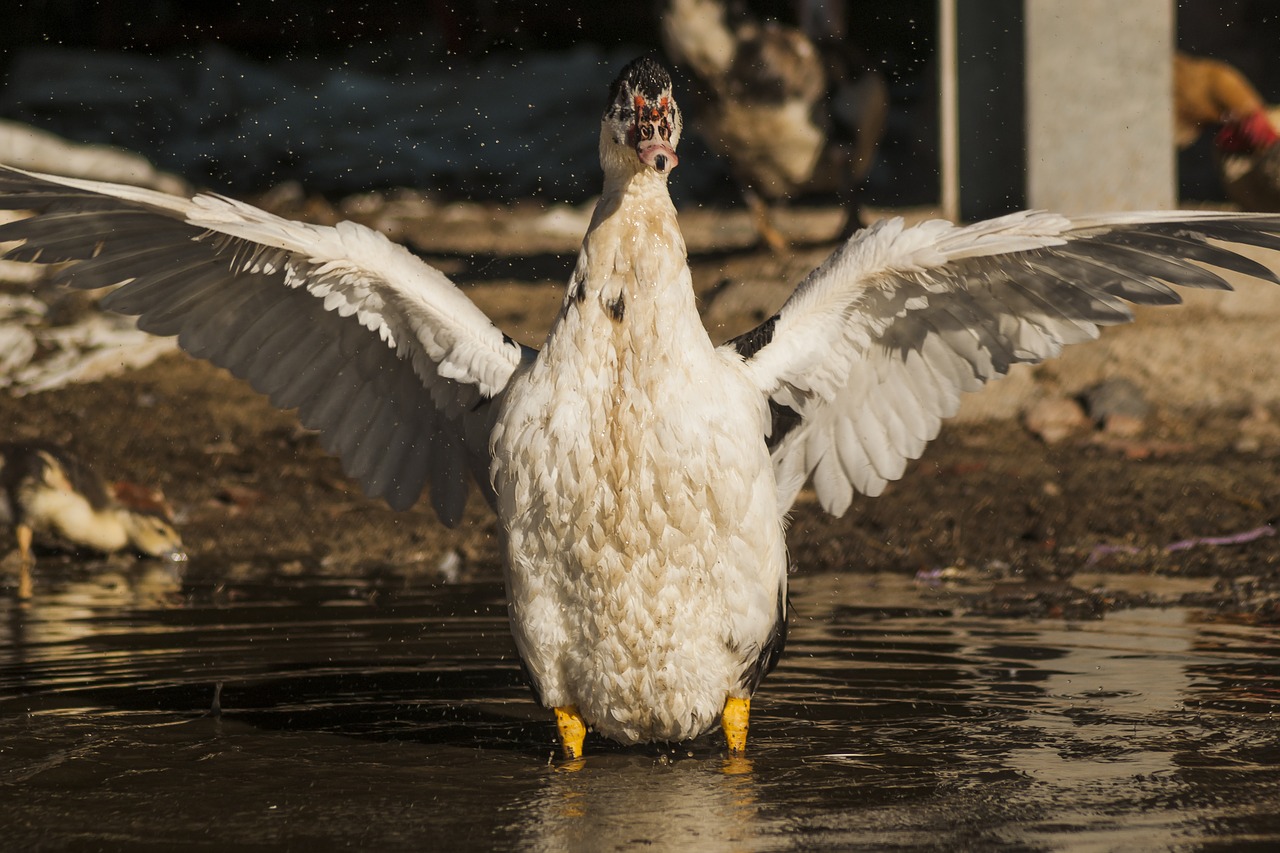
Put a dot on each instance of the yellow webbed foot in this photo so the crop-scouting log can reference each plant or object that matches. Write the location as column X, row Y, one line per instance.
column 735, row 721
column 573, row 730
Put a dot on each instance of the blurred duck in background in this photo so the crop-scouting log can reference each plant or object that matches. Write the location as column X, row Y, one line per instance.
column 49, row 496
column 1211, row 94
column 794, row 110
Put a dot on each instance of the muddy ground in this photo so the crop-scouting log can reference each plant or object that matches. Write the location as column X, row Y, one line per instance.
column 1029, row 527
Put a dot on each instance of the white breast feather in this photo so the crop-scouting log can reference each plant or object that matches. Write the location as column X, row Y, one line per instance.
column 646, row 564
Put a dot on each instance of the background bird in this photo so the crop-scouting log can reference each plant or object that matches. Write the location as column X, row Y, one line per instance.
column 1249, row 161
column 49, row 496
column 1214, row 95
column 642, row 475
column 792, row 110
column 1208, row 93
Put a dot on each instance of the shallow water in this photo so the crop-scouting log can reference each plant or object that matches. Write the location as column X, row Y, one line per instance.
column 391, row 714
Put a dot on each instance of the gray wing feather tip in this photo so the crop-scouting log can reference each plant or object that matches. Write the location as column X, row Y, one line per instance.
column 923, row 334
column 226, row 301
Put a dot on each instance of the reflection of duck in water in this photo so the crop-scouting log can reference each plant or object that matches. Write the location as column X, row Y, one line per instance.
column 48, row 495
column 642, row 475
column 688, row 804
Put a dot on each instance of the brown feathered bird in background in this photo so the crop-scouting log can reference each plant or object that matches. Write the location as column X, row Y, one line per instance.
column 1211, row 94
column 791, row 112
column 46, row 494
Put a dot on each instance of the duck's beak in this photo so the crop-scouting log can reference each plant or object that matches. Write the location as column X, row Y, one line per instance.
column 653, row 135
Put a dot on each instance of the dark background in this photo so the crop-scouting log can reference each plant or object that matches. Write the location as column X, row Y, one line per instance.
column 389, row 37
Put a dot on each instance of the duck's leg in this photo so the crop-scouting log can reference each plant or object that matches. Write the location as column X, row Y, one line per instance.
column 573, row 730
column 735, row 721
column 24, row 552
column 765, row 228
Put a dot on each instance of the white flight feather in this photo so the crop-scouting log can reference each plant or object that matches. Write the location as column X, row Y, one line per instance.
column 876, row 345
column 359, row 272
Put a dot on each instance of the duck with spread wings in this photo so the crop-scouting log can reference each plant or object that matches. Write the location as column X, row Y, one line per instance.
column 642, row 475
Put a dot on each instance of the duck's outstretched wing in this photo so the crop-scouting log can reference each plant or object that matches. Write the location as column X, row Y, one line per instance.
column 376, row 349
column 874, row 348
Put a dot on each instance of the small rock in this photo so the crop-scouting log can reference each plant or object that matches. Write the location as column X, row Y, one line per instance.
column 362, row 205
column 1054, row 418
column 1117, row 405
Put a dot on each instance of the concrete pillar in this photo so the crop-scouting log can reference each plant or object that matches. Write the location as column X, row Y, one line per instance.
column 1099, row 105
column 1059, row 104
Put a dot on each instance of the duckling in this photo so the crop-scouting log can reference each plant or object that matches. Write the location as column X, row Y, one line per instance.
column 48, row 494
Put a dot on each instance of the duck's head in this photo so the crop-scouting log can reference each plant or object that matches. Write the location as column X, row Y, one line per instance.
column 153, row 536
column 641, row 126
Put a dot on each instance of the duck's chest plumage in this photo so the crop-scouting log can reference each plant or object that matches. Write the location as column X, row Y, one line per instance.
column 644, row 545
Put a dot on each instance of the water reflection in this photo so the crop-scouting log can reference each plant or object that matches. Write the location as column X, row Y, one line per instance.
column 74, row 594
column 895, row 720
column 1107, row 688
column 620, row 802
column 1107, row 706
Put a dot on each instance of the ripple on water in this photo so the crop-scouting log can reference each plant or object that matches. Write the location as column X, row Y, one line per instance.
column 894, row 720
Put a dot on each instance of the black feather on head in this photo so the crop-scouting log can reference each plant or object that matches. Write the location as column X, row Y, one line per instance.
column 643, row 76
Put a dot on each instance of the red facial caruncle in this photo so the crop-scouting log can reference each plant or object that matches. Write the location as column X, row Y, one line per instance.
column 651, row 134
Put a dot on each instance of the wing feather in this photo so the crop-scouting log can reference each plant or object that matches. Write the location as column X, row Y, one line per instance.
column 851, row 450
column 888, row 409
column 377, row 431
column 876, row 346
column 376, row 349
column 832, row 483
column 918, row 385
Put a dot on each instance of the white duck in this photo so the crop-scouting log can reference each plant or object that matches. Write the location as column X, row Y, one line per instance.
column 642, row 475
